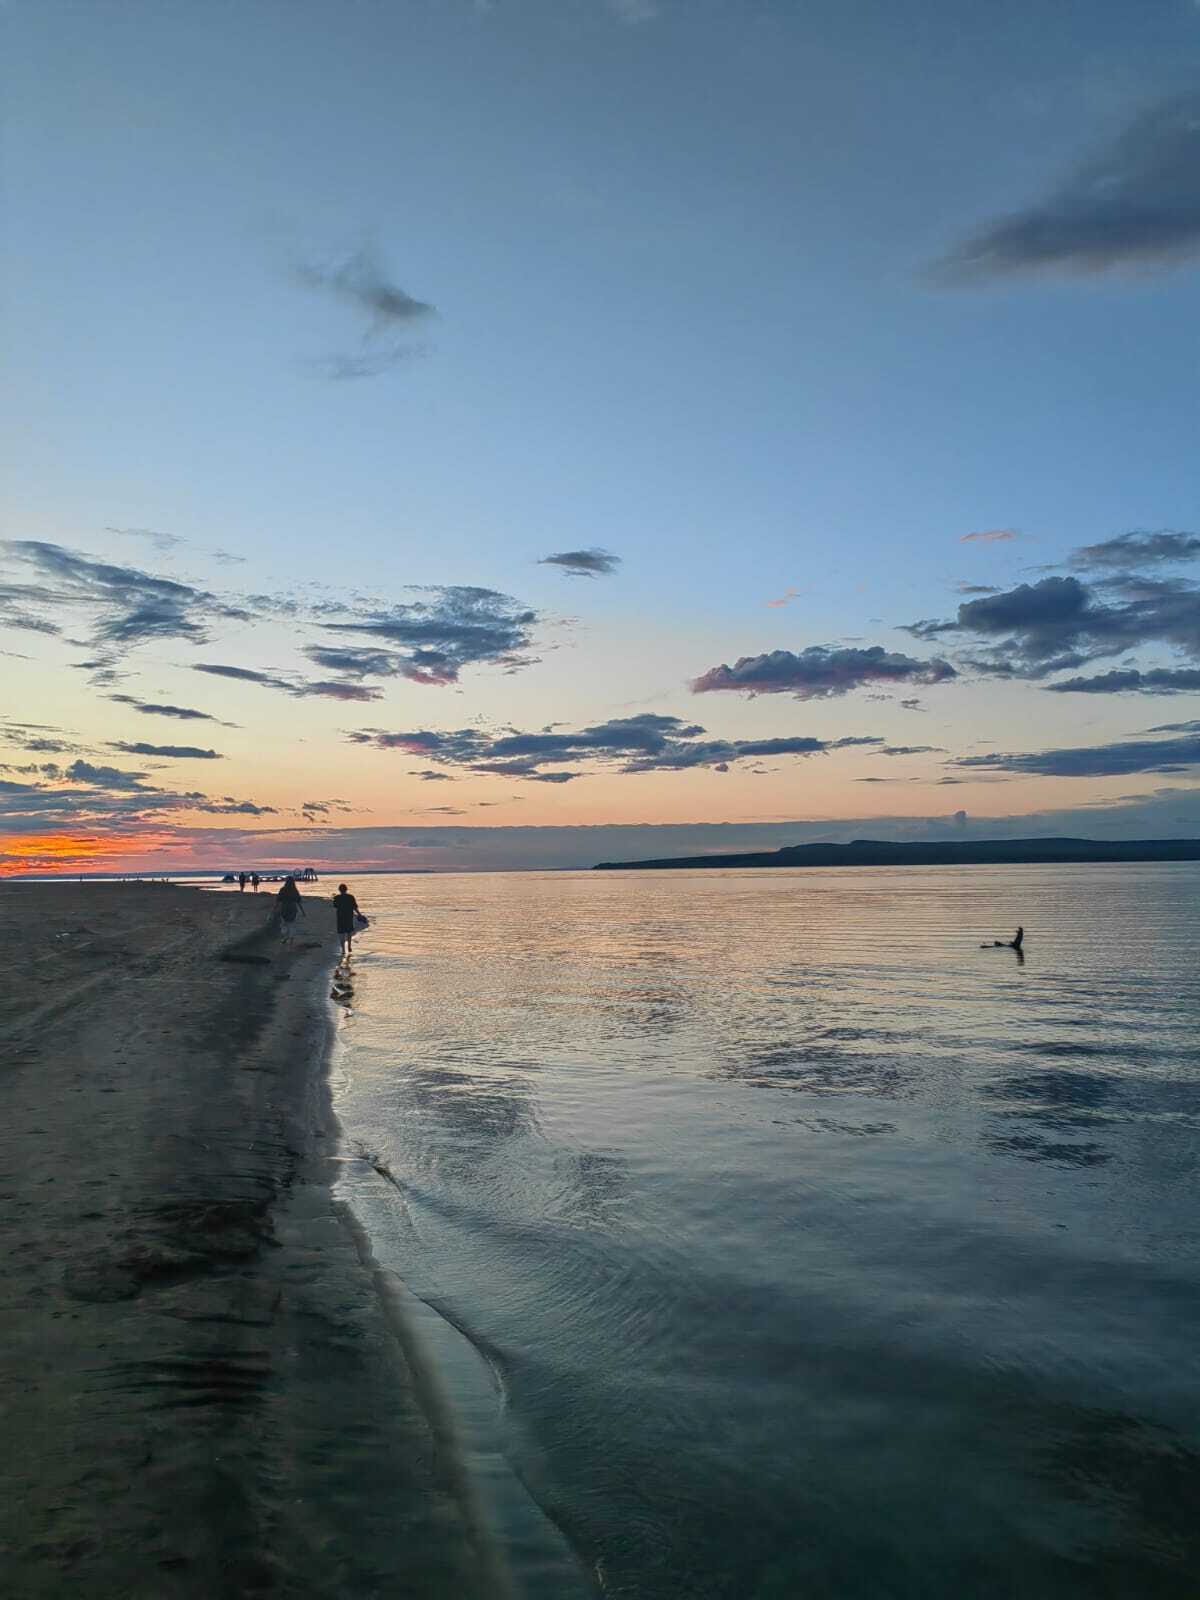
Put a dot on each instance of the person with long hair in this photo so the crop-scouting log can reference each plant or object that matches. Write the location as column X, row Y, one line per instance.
column 289, row 906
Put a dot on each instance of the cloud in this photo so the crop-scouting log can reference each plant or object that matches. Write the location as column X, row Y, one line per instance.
column 1138, row 550
column 786, row 597
column 990, row 536
column 591, row 563
column 629, row 745
column 978, row 588
column 1129, row 680
column 361, row 282
column 162, row 542
column 458, row 626
column 1060, row 624
column 173, row 752
column 104, row 777
column 1099, row 761
column 127, row 606
column 301, row 688
column 180, row 713
column 820, row 672
column 1135, row 204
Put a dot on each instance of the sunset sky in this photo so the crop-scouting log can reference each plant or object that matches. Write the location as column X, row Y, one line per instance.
column 646, row 426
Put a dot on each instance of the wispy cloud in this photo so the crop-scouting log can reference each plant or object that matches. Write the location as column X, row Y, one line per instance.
column 821, row 672
column 434, row 639
column 1122, row 757
column 639, row 744
column 173, row 752
column 786, row 597
column 361, row 281
column 301, row 688
column 180, row 713
column 162, row 542
column 127, row 606
column 1138, row 549
column 1131, row 680
column 593, row 563
column 1136, row 204
column 990, row 536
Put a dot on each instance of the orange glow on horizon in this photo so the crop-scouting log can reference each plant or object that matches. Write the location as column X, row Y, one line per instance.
column 64, row 852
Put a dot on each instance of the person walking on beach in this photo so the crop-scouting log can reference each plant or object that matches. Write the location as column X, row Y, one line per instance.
column 241, row 883
column 289, row 906
column 254, row 881
column 346, row 907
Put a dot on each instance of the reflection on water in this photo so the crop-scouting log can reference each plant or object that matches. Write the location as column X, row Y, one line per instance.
column 816, row 1251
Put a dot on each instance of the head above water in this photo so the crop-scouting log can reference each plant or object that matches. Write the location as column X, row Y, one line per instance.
column 341, row 888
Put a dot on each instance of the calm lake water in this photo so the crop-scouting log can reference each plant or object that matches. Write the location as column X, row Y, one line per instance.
column 808, row 1249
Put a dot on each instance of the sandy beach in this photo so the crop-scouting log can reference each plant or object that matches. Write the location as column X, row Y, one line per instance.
column 201, row 1392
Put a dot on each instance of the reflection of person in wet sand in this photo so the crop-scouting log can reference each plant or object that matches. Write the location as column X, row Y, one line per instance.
column 346, row 907
column 289, row 906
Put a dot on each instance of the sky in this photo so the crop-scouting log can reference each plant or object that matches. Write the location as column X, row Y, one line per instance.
column 517, row 433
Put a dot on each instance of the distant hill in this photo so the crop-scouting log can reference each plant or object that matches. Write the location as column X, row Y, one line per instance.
column 943, row 853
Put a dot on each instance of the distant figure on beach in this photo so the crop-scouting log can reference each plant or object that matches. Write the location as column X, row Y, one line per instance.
column 1014, row 943
column 289, row 906
column 346, row 907
column 241, row 883
column 254, row 881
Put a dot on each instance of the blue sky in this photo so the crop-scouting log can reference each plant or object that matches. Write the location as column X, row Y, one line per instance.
column 759, row 297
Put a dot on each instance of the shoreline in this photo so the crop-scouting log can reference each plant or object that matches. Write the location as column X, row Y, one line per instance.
column 203, row 1390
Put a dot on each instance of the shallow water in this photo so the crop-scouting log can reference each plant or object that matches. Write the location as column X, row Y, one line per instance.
column 814, row 1251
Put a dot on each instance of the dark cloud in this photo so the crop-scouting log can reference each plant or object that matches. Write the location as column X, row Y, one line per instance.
column 1059, row 624
column 591, row 563
column 173, row 752
column 355, row 661
column 911, row 750
column 1099, row 761
column 434, row 639
column 820, row 672
column 1131, row 680
column 104, row 777
column 978, row 588
column 1138, row 549
column 180, row 713
column 361, row 282
column 227, row 806
column 331, row 689
column 127, row 606
column 300, row 687
column 1135, row 204
column 638, row 744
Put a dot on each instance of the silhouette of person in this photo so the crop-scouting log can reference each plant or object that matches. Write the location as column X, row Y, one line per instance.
column 346, row 907
column 241, row 883
column 254, row 881
column 1019, row 940
column 289, row 906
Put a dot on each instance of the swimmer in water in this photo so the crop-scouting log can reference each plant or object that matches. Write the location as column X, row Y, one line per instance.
column 1014, row 943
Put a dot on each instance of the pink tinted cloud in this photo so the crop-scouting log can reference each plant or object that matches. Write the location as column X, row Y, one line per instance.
column 990, row 536
column 786, row 597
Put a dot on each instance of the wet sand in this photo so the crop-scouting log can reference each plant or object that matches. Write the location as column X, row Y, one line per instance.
column 201, row 1392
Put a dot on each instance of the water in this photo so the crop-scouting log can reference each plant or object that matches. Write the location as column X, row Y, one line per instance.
column 812, row 1250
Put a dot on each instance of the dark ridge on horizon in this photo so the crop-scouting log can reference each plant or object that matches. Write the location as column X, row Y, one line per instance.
column 948, row 852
